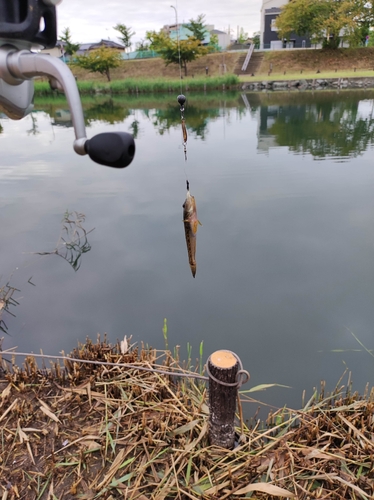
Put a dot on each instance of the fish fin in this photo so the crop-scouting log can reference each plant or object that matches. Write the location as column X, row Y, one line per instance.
column 199, row 223
column 194, row 226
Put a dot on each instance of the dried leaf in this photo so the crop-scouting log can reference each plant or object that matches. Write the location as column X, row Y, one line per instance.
column 270, row 489
column 113, row 469
column 33, row 429
column 22, row 435
column 124, row 345
column 49, row 414
column 315, row 453
column 263, row 387
column 9, row 409
column 90, row 445
column 192, row 445
column 5, row 393
column 184, row 428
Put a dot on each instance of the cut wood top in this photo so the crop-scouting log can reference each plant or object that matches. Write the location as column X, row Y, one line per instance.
column 223, row 359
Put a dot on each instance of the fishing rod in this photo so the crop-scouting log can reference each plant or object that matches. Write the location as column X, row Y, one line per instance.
column 29, row 25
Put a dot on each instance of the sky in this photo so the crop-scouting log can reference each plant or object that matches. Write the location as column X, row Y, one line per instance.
column 93, row 20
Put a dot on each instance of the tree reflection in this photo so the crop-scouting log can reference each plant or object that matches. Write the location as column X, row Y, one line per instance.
column 134, row 127
column 34, row 125
column 108, row 111
column 197, row 119
column 323, row 129
column 325, row 124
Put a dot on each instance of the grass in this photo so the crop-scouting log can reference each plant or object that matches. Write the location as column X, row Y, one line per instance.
column 151, row 75
column 308, row 75
column 144, row 69
column 132, row 85
column 322, row 59
column 93, row 431
column 6, row 300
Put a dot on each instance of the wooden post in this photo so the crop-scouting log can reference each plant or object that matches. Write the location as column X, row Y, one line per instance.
column 223, row 367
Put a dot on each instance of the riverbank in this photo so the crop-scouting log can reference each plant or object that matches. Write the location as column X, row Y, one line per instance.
column 94, row 431
column 222, row 71
column 145, row 86
column 218, row 64
column 225, row 83
column 309, row 83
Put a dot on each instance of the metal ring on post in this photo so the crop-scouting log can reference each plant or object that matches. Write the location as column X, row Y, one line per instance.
column 239, row 376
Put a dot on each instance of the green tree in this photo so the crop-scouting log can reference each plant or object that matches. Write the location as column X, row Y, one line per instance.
column 173, row 52
column 197, row 27
column 100, row 60
column 126, row 34
column 142, row 45
column 256, row 39
column 214, row 43
column 243, row 36
column 70, row 48
column 326, row 21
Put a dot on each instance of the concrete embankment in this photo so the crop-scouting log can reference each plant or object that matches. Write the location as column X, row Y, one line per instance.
column 310, row 84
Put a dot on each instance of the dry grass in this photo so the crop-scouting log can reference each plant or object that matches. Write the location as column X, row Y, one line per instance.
column 291, row 61
column 155, row 68
column 310, row 60
column 91, row 431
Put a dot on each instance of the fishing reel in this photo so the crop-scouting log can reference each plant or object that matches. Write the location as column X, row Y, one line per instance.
column 26, row 25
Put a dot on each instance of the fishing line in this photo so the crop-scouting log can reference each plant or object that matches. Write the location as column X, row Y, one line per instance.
column 179, row 47
column 241, row 378
column 181, row 98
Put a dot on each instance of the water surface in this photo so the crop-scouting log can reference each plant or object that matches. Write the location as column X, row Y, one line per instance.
column 285, row 256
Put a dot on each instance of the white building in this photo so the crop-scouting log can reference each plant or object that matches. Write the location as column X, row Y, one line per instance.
column 223, row 38
column 266, row 8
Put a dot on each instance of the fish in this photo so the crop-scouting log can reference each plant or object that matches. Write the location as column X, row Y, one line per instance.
column 184, row 132
column 191, row 224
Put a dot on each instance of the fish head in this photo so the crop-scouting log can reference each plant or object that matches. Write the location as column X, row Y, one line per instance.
column 189, row 205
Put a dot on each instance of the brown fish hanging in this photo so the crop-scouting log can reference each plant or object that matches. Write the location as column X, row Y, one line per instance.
column 191, row 223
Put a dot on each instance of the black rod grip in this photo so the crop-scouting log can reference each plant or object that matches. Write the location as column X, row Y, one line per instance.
column 113, row 149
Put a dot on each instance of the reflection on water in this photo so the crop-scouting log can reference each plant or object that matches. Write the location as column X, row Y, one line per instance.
column 285, row 257
column 163, row 118
column 34, row 125
column 196, row 119
column 72, row 242
column 328, row 130
column 62, row 118
column 340, row 126
column 324, row 125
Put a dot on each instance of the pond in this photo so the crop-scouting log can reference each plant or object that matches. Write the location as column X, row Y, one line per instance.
column 284, row 188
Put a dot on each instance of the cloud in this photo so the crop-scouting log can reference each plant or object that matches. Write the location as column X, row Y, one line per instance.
column 92, row 20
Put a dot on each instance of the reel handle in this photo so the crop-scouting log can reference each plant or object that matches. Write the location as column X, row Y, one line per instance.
column 113, row 149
